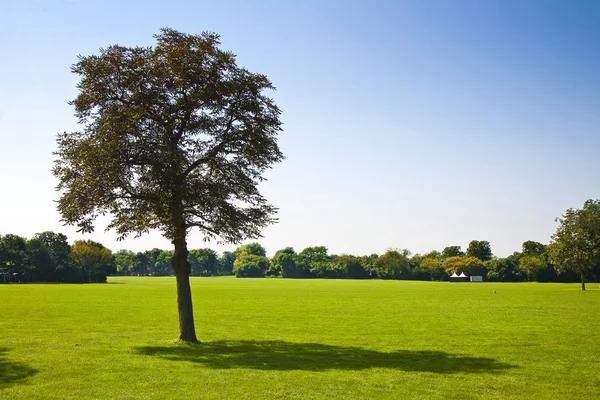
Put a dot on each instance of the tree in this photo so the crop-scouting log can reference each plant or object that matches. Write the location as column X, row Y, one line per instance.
column 13, row 253
column 453, row 264
column 250, row 265
column 175, row 137
column 226, row 263
column 251, row 248
column 124, row 260
column 93, row 261
column 162, row 265
column 59, row 251
column 432, row 266
column 39, row 262
column 575, row 246
column 505, row 269
column 531, row 265
column 316, row 262
column 284, row 259
column 351, row 267
column 393, row 264
column 452, row 251
column 480, row 249
column 531, row 248
column 204, row 262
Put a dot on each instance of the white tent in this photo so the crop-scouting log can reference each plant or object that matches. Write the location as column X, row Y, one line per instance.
column 454, row 275
column 462, row 275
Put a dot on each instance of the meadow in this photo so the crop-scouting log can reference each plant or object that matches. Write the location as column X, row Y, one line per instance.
column 300, row 339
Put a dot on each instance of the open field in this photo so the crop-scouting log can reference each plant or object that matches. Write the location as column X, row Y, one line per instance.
column 300, row 339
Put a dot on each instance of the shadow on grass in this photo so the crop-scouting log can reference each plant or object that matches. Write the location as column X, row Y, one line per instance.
column 282, row 356
column 12, row 373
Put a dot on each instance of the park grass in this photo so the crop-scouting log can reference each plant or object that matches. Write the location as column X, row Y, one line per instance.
column 300, row 339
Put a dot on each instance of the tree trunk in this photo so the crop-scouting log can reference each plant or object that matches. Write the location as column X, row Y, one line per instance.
column 582, row 282
column 187, row 330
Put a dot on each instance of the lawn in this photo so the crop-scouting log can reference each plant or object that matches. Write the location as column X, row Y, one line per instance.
column 301, row 339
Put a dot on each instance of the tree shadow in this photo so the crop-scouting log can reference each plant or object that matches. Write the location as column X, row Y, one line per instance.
column 283, row 356
column 11, row 372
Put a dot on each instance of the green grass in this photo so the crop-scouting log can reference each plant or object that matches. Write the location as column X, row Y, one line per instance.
column 301, row 339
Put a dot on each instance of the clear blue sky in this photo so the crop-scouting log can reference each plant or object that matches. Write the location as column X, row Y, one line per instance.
column 415, row 125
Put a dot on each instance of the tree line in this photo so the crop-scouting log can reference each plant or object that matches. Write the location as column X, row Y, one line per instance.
column 48, row 257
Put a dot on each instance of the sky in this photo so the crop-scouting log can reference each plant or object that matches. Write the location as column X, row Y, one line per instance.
column 407, row 124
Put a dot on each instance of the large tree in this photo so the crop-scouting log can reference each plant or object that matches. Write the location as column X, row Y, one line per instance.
column 576, row 244
column 175, row 136
column 480, row 249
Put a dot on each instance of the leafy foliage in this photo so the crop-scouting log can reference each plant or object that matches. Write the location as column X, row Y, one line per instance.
column 576, row 244
column 204, row 262
column 480, row 249
column 175, row 136
column 94, row 261
column 250, row 265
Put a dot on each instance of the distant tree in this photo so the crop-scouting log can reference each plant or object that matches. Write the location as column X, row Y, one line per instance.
column 368, row 263
column 351, row 267
column 283, row 259
column 59, row 251
column 92, row 260
column 432, row 266
column 204, row 262
column 39, row 262
column 531, row 265
column 124, row 261
column 393, row 264
column 175, row 137
column 250, row 265
column 453, row 265
column 251, row 248
column 13, row 254
column 317, row 262
column 505, row 269
column 452, row 251
column 469, row 265
column 162, row 265
column 140, row 264
column 151, row 257
column 480, row 249
column 286, row 261
column 531, row 248
column 226, row 263
column 575, row 246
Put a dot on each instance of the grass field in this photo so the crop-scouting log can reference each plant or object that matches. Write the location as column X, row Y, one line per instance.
column 301, row 339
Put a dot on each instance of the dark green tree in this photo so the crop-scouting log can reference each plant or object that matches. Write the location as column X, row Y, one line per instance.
column 204, row 262
column 480, row 249
column 351, row 267
column 124, row 260
column 59, row 250
column 162, row 265
column 316, row 262
column 284, row 259
column 226, row 263
column 452, row 251
column 39, row 262
column 13, row 254
column 575, row 246
column 175, row 137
